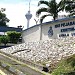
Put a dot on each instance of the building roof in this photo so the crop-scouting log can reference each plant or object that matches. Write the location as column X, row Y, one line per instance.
column 63, row 19
column 5, row 29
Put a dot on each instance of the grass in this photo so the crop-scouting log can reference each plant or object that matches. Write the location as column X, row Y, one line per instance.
column 65, row 66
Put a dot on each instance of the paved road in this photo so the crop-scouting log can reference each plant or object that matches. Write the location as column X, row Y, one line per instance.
column 4, row 71
column 20, row 67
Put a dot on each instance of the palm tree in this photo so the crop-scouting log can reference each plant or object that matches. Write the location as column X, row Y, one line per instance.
column 52, row 9
column 70, row 7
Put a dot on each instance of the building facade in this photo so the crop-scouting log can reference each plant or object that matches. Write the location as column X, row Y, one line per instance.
column 50, row 30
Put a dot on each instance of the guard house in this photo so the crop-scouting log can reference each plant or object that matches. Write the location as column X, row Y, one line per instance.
column 4, row 29
column 60, row 28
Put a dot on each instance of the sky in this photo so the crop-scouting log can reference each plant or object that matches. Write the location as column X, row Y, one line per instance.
column 16, row 10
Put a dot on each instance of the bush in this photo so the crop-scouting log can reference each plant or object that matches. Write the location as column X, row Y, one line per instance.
column 13, row 36
column 4, row 40
column 66, row 66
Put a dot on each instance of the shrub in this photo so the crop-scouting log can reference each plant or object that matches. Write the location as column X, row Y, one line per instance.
column 4, row 40
column 66, row 66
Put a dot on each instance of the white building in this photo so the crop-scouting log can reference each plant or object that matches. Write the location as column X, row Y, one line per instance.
column 54, row 29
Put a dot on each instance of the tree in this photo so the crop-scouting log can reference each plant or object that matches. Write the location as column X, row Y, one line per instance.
column 13, row 36
column 4, row 39
column 70, row 7
column 3, row 18
column 52, row 8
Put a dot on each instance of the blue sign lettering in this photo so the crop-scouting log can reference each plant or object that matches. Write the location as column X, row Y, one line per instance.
column 65, row 24
column 67, row 29
column 63, row 35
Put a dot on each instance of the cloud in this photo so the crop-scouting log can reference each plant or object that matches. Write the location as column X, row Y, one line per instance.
column 13, row 1
column 16, row 10
column 16, row 13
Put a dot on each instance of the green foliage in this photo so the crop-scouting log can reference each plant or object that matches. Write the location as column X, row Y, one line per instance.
column 70, row 7
column 3, row 18
column 51, row 8
column 13, row 36
column 4, row 39
column 66, row 66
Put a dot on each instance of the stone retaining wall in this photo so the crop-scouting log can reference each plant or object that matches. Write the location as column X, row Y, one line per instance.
column 48, row 50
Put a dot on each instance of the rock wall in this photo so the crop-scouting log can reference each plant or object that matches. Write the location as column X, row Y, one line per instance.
column 48, row 50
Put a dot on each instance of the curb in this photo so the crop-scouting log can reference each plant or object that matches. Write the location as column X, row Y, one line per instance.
column 11, row 69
